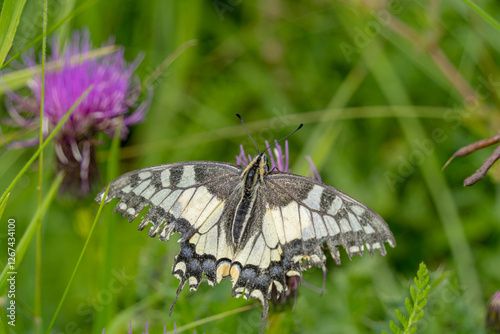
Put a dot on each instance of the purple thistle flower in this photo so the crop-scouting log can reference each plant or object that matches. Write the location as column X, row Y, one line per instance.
column 493, row 313
column 280, row 161
column 115, row 92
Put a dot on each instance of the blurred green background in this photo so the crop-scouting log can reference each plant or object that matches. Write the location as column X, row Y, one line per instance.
column 387, row 91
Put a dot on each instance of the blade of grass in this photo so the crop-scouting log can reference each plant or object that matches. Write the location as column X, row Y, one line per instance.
column 125, row 315
column 215, row 317
column 38, row 260
column 18, row 79
column 50, row 30
column 325, row 115
column 483, row 13
column 30, row 231
column 51, row 325
column 45, row 143
column 109, row 235
column 9, row 20
column 3, row 204
column 150, row 79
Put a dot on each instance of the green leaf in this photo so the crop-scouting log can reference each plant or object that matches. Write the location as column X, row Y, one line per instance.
column 483, row 13
column 421, row 304
column 51, row 29
column 413, row 293
column 18, row 79
column 419, row 316
column 408, row 305
column 415, row 310
column 9, row 20
column 3, row 204
column 402, row 319
column 394, row 328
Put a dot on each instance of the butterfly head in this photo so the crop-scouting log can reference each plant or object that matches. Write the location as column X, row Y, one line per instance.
column 261, row 161
column 256, row 169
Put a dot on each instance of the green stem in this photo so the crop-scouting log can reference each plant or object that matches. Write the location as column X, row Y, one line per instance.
column 38, row 261
column 109, row 234
column 215, row 317
column 30, row 232
column 51, row 325
column 3, row 204
column 483, row 13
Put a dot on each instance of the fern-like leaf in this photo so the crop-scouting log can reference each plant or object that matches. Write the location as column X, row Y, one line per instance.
column 394, row 328
column 408, row 305
column 402, row 319
column 418, row 293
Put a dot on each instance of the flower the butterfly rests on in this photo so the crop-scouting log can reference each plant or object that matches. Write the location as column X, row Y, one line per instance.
column 256, row 225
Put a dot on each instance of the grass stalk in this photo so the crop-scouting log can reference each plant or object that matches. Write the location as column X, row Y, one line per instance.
column 38, row 261
column 3, row 204
column 27, row 237
column 20, row 78
column 63, row 298
column 329, row 115
column 215, row 317
column 483, row 14
column 109, row 235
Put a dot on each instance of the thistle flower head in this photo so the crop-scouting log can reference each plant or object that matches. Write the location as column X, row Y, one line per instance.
column 107, row 106
column 280, row 160
column 493, row 312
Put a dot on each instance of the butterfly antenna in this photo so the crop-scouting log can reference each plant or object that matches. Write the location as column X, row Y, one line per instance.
column 288, row 135
column 241, row 119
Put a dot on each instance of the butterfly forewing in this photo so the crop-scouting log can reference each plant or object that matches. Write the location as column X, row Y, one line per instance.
column 191, row 191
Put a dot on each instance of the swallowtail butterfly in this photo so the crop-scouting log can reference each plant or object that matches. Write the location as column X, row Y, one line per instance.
column 254, row 226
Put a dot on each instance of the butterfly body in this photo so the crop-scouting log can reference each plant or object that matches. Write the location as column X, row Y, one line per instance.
column 251, row 177
column 254, row 226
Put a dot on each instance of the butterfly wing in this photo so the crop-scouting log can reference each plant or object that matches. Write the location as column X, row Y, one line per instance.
column 192, row 198
column 173, row 191
column 306, row 214
column 294, row 217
